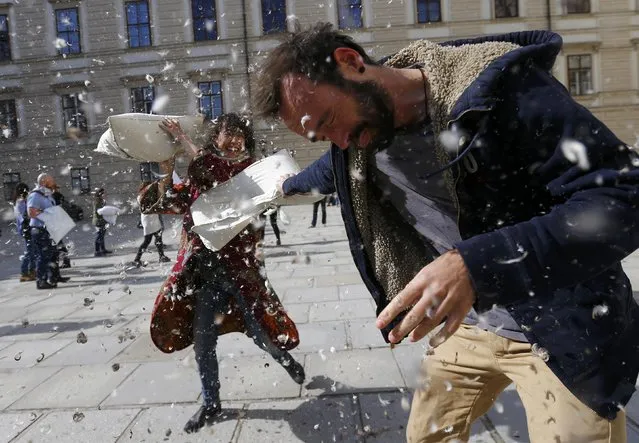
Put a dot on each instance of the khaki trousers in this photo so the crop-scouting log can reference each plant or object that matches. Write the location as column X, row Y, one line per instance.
column 467, row 373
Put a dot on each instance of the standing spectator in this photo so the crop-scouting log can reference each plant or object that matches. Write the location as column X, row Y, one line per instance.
column 47, row 270
column 61, row 249
column 28, row 263
column 316, row 205
column 153, row 226
column 100, row 223
column 272, row 214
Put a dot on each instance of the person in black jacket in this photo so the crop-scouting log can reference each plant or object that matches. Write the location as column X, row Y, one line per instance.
column 100, row 223
column 478, row 195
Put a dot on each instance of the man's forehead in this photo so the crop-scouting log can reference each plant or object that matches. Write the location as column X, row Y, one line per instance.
column 298, row 90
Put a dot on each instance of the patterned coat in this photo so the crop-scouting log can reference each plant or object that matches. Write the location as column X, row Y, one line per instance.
column 172, row 321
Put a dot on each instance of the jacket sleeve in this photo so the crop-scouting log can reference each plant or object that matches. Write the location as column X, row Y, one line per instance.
column 594, row 224
column 318, row 176
column 164, row 197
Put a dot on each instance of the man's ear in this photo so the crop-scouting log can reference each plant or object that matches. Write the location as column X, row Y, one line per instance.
column 348, row 60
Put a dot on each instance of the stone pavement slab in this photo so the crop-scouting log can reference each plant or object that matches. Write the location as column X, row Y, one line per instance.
column 299, row 312
column 351, row 371
column 310, row 295
column 364, row 334
column 353, row 292
column 322, row 335
column 38, row 313
column 75, row 387
column 165, row 423
column 143, row 350
column 95, row 351
column 409, row 357
column 255, row 377
column 13, row 424
column 342, row 310
column 25, row 354
column 155, row 383
column 94, row 426
column 15, row 383
column 323, row 419
column 385, row 416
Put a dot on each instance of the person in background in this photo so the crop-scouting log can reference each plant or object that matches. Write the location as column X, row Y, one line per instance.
column 61, row 249
column 28, row 263
column 316, row 205
column 210, row 293
column 153, row 226
column 38, row 200
column 100, row 223
column 272, row 215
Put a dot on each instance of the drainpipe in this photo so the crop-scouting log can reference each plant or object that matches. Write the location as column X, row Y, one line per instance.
column 548, row 15
column 246, row 54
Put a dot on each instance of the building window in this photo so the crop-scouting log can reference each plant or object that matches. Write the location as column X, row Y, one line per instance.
column 429, row 11
column 8, row 120
column 577, row 6
column 68, row 30
column 273, row 16
column 9, row 182
column 142, row 99
column 138, row 24
column 506, row 8
column 349, row 14
column 5, row 43
column 149, row 171
column 211, row 99
column 73, row 113
column 80, row 181
column 580, row 74
column 204, row 20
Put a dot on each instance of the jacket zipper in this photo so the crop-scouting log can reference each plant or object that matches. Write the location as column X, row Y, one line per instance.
column 448, row 126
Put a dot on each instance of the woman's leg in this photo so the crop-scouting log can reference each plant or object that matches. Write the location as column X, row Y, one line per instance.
column 143, row 246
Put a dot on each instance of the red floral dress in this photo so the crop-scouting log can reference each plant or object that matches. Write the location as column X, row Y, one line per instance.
column 172, row 319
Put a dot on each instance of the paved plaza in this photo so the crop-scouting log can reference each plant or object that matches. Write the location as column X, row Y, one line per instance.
column 55, row 386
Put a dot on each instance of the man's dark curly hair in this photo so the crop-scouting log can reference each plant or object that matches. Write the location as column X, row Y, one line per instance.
column 308, row 52
column 231, row 123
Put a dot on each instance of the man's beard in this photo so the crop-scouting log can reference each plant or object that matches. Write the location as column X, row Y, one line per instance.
column 375, row 113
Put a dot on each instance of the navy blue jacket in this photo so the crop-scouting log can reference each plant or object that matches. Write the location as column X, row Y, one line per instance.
column 542, row 236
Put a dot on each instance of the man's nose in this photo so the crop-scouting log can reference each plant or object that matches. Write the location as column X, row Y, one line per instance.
column 340, row 138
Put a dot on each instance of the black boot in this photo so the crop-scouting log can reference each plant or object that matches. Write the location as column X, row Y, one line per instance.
column 204, row 416
column 294, row 369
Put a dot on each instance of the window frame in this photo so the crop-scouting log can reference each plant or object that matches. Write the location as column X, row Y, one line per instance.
column 426, row 3
column 79, row 114
column 148, row 105
column 505, row 8
column 281, row 26
column 212, row 35
column 66, row 51
column 138, row 24
column 339, row 4
column 5, row 40
column 9, row 186
column 578, row 90
column 78, row 179
column 571, row 6
column 213, row 96
column 11, row 120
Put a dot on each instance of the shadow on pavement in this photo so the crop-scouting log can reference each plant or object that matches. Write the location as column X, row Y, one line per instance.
column 58, row 326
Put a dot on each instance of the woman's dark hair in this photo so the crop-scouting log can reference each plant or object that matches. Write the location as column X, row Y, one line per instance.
column 21, row 190
column 231, row 123
column 309, row 53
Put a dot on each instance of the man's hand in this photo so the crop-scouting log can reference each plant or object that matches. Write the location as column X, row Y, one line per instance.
column 441, row 290
column 280, row 183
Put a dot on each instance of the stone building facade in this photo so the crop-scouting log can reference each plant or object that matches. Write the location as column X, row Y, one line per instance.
column 66, row 65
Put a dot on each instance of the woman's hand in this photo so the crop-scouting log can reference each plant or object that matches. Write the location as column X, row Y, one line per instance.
column 173, row 128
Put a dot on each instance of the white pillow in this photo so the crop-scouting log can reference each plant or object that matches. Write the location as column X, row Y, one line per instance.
column 138, row 137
